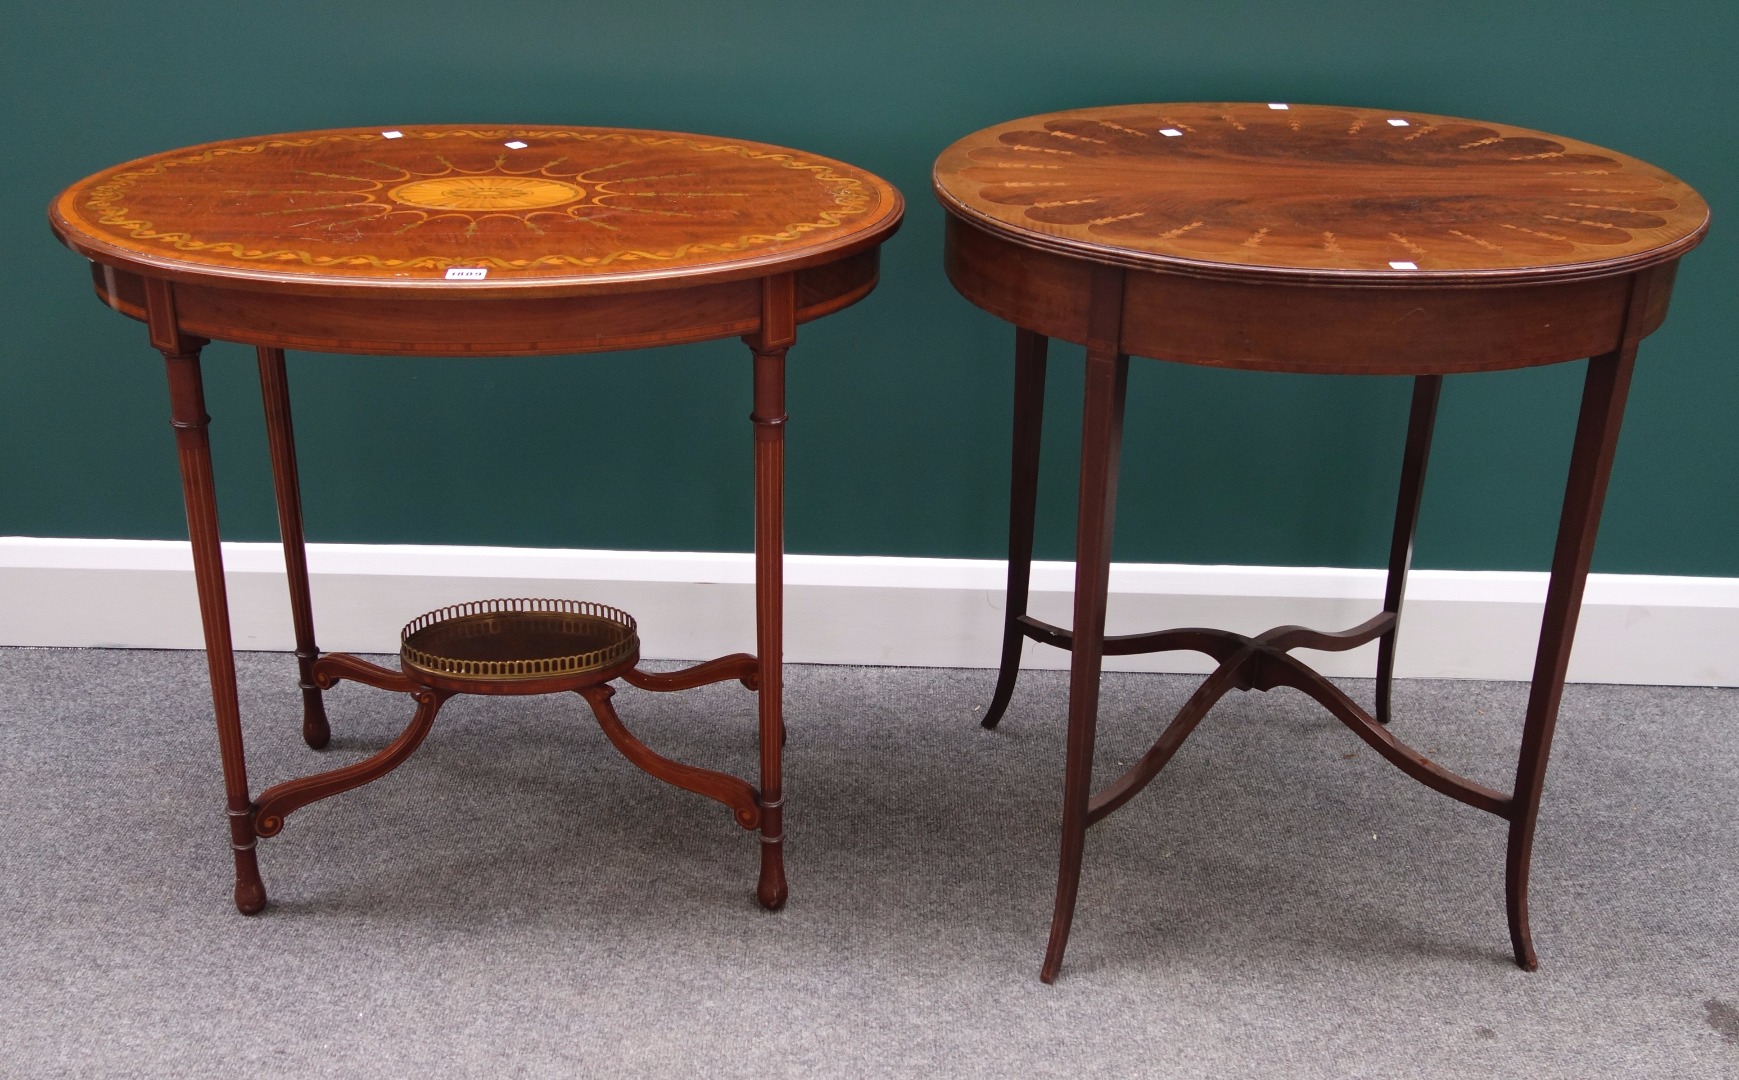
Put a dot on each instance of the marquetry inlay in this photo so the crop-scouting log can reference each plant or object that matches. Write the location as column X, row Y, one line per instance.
column 1314, row 188
column 538, row 203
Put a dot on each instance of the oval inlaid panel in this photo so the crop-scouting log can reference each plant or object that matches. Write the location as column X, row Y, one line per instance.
column 1321, row 191
column 486, row 193
column 529, row 205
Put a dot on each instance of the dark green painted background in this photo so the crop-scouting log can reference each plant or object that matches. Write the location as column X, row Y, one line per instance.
column 900, row 405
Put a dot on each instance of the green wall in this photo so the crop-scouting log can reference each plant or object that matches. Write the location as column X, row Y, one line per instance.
column 900, row 406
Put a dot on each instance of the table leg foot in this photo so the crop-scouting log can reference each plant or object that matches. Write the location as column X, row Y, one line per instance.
column 316, row 732
column 772, row 890
column 1068, row 887
column 250, row 891
column 1004, row 692
column 1516, row 899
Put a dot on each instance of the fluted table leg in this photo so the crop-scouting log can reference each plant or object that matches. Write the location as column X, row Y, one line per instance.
column 280, row 435
column 778, row 331
column 193, row 447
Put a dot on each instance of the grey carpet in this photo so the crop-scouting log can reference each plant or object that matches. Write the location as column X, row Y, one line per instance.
column 519, row 901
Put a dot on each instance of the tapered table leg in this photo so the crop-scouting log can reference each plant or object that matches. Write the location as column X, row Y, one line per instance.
column 778, row 331
column 1029, row 418
column 1107, row 379
column 193, row 444
column 1603, row 397
column 1421, row 419
column 280, row 435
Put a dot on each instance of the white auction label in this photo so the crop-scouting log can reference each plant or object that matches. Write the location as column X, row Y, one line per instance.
column 516, row 145
column 1396, row 121
column 467, row 273
column 1392, row 266
column 1278, row 105
column 392, row 134
column 1170, row 133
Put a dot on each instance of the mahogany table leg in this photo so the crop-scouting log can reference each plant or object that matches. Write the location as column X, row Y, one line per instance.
column 778, row 331
column 1603, row 397
column 280, row 434
column 1029, row 418
column 1107, row 379
column 1420, row 422
column 193, row 445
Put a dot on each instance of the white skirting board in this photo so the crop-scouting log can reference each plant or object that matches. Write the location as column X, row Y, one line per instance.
column 864, row 609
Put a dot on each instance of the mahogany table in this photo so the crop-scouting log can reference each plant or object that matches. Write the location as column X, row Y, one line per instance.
column 499, row 241
column 1296, row 238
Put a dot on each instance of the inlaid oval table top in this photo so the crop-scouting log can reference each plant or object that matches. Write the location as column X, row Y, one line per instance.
column 1260, row 191
column 542, row 210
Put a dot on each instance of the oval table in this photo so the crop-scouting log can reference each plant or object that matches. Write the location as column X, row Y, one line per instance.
column 1296, row 238
column 456, row 241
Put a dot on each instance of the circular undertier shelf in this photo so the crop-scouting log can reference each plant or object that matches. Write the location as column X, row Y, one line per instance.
column 494, row 641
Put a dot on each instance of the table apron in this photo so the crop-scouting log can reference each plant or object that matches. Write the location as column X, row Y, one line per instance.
column 493, row 326
column 1308, row 327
